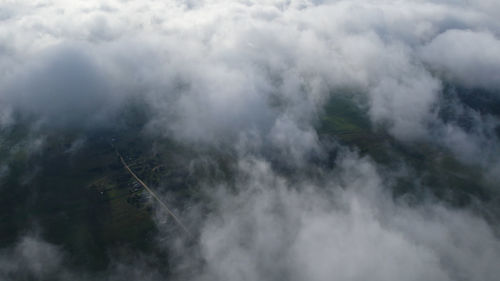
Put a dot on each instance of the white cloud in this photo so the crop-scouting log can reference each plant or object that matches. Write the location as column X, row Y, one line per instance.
column 211, row 65
column 255, row 75
column 466, row 57
column 351, row 229
column 30, row 258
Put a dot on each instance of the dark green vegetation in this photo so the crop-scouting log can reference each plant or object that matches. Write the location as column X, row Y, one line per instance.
column 437, row 170
column 69, row 184
column 81, row 197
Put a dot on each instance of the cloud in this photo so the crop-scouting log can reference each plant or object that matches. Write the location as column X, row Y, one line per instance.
column 253, row 77
column 213, row 69
column 466, row 57
column 31, row 258
column 273, row 228
column 62, row 86
column 267, row 226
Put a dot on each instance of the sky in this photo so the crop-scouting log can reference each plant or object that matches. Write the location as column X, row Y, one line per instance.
column 253, row 77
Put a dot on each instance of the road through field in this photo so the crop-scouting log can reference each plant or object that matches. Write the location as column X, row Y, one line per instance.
column 154, row 195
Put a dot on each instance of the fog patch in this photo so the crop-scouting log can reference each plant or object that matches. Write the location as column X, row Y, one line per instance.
column 31, row 258
column 269, row 227
column 470, row 58
column 63, row 87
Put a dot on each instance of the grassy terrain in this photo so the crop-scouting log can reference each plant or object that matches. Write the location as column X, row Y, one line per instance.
column 436, row 167
column 81, row 198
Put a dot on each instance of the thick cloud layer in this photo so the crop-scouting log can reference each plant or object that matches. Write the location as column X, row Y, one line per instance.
column 219, row 68
column 474, row 62
column 274, row 229
column 254, row 76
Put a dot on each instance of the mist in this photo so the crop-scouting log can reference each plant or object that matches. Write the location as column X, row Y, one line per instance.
column 245, row 88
